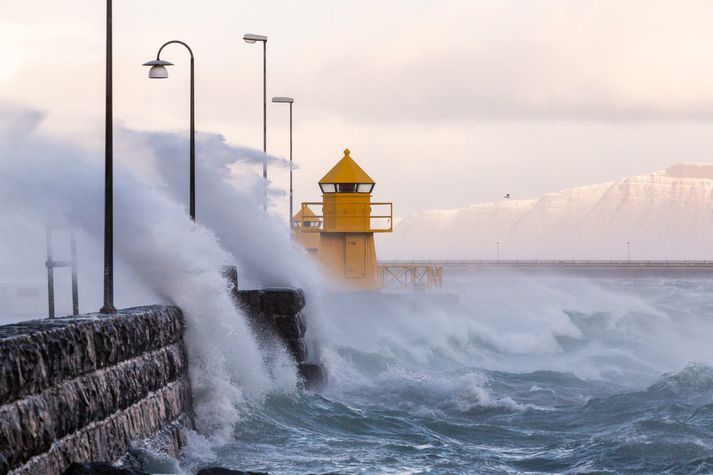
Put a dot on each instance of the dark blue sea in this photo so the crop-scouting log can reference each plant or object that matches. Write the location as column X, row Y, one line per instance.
column 523, row 375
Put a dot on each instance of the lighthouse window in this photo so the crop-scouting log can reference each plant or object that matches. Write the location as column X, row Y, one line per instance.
column 346, row 188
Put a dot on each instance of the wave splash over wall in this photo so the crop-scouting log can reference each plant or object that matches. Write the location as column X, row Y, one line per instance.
column 160, row 255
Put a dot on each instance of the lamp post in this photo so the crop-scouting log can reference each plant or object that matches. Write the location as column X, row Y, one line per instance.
column 158, row 71
column 108, row 306
column 628, row 251
column 497, row 250
column 252, row 38
column 290, row 101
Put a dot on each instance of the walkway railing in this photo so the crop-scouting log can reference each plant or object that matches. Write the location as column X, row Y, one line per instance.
column 410, row 276
column 640, row 263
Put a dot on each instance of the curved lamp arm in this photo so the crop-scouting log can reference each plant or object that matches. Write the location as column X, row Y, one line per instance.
column 158, row 55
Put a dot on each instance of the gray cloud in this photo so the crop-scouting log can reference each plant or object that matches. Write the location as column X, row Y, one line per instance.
column 16, row 120
column 504, row 61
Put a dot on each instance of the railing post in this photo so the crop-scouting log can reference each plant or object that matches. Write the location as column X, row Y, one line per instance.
column 73, row 264
column 49, row 263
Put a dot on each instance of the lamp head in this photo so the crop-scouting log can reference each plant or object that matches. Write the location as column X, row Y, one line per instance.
column 252, row 38
column 285, row 100
column 158, row 69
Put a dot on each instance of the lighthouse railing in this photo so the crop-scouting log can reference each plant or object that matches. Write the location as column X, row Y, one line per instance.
column 377, row 223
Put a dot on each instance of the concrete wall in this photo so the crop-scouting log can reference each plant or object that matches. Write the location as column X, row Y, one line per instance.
column 80, row 389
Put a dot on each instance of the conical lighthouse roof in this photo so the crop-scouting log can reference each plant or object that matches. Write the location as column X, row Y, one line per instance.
column 306, row 214
column 346, row 171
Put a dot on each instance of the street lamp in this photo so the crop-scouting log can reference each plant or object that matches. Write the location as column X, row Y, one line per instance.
column 290, row 101
column 251, row 38
column 628, row 251
column 108, row 306
column 497, row 250
column 158, row 71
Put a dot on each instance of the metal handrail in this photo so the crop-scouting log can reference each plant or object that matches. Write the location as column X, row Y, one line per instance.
column 321, row 217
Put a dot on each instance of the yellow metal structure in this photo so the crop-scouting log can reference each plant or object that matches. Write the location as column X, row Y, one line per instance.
column 346, row 246
column 303, row 224
column 416, row 277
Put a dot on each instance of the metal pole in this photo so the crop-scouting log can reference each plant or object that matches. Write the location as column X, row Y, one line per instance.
column 73, row 263
column 264, row 117
column 192, row 162
column 497, row 246
column 193, row 145
column 49, row 263
column 108, row 176
column 628, row 251
column 291, row 194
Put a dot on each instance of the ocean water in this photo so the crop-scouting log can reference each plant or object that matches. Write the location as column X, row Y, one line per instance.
column 524, row 375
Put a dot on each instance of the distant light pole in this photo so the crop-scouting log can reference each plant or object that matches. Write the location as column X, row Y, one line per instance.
column 158, row 71
column 108, row 306
column 290, row 101
column 497, row 250
column 251, row 38
column 628, row 251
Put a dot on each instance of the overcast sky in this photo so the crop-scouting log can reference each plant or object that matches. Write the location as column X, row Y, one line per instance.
column 444, row 103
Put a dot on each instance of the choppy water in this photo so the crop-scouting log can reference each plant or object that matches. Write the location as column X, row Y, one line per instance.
column 542, row 375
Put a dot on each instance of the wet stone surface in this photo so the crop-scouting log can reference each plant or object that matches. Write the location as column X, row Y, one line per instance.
column 278, row 311
column 80, row 389
column 101, row 468
column 38, row 354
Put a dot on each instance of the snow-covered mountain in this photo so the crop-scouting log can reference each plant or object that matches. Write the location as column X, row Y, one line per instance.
column 664, row 215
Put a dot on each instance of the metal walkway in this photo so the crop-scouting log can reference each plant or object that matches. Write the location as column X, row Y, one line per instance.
column 594, row 267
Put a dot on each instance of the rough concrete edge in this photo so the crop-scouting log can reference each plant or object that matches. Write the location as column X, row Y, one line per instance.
column 59, row 323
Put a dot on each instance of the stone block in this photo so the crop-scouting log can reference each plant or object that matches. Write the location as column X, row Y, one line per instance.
column 101, row 468
column 250, row 301
column 313, row 375
column 297, row 349
column 287, row 326
column 284, row 301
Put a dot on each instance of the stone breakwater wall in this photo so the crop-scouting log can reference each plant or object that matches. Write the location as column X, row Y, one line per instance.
column 278, row 312
column 81, row 389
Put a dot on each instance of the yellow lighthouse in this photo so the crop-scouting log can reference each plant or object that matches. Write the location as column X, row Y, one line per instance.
column 346, row 246
column 302, row 223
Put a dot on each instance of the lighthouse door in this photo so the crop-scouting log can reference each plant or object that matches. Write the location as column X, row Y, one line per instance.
column 356, row 256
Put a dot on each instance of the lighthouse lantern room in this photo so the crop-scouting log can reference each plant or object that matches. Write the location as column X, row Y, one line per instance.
column 346, row 246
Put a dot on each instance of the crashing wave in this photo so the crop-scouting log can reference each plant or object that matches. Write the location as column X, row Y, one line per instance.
column 696, row 379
